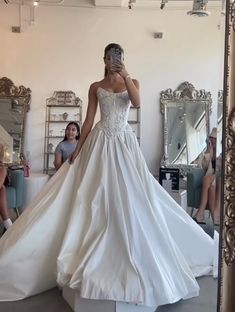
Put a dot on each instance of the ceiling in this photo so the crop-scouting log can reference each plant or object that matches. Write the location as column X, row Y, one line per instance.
column 121, row 4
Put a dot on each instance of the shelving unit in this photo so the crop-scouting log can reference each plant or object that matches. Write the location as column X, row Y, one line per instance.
column 62, row 108
column 134, row 121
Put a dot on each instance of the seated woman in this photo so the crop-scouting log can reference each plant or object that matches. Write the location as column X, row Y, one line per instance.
column 207, row 161
column 66, row 147
column 216, row 214
column 3, row 198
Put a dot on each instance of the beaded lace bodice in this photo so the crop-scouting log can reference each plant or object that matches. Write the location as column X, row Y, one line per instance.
column 114, row 109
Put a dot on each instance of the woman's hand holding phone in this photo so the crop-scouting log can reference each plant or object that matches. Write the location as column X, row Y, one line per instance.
column 119, row 67
column 117, row 64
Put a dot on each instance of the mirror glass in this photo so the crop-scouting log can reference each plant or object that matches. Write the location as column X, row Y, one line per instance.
column 11, row 126
column 14, row 103
column 186, row 123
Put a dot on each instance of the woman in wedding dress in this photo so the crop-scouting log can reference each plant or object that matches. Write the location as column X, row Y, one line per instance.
column 103, row 224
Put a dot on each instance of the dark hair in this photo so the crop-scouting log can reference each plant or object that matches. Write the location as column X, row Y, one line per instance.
column 106, row 50
column 78, row 130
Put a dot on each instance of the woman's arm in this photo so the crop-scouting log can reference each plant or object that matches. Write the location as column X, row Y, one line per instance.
column 89, row 120
column 3, row 173
column 58, row 161
column 132, row 85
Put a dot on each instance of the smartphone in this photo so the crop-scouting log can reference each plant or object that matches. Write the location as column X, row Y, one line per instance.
column 116, row 55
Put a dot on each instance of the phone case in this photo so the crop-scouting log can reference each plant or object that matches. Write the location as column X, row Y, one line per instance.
column 116, row 54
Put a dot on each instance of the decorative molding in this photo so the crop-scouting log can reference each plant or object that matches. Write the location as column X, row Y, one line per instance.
column 229, row 153
column 64, row 98
column 185, row 92
column 232, row 15
column 229, row 192
column 9, row 90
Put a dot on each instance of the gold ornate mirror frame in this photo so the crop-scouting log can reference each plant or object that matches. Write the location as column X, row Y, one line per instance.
column 226, row 289
column 184, row 96
column 8, row 91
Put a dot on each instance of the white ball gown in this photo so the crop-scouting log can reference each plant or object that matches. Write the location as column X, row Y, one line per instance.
column 105, row 226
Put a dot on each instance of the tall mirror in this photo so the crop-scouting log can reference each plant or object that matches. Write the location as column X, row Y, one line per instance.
column 186, row 112
column 226, row 297
column 14, row 104
column 182, row 53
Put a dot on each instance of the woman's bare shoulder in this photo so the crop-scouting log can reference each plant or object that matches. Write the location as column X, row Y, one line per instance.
column 95, row 85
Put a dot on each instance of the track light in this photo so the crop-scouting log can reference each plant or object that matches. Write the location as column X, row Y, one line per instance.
column 130, row 4
column 163, row 3
column 199, row 8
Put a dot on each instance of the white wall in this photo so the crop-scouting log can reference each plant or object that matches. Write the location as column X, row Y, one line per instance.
column 63, row 50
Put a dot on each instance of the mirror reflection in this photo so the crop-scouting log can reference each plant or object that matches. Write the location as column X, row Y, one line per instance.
column 11, row 126
column 186, row 123
column 196, row 151
column 206, row 163
column 14, row 103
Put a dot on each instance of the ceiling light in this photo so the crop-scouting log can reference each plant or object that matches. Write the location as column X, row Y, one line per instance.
column 199, row 8
column 162, row 4
column 36, row 3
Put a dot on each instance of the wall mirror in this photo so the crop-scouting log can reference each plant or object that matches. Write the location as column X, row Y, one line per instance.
column 226, row 281
column 186, row 124
column 14, row 104
column 226, row 299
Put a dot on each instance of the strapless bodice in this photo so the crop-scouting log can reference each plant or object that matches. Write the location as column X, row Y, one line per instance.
column 114, row 110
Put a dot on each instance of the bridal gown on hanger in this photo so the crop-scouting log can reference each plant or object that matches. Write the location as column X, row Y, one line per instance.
column 105, row 226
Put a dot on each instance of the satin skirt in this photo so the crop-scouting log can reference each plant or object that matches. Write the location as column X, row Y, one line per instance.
column 105, row 227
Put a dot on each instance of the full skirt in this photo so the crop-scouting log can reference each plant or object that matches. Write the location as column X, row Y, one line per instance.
column 105, row 226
